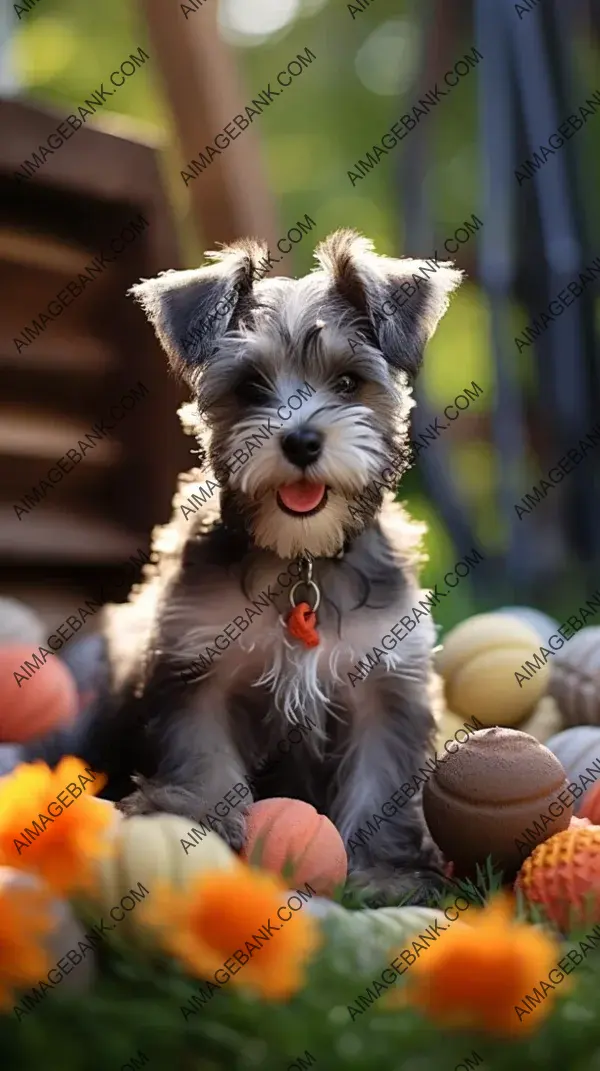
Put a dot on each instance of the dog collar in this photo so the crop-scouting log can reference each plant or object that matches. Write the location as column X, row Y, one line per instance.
column 301, row 622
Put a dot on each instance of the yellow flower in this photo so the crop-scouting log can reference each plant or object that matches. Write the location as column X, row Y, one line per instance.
column 24, row 922
column 475, row 976
column 59, row 839
column 221, row 913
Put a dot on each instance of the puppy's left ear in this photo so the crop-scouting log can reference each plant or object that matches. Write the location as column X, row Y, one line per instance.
column 400, row 301
column 191, row 310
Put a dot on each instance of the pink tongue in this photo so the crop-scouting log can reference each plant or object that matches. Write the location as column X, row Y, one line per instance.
column 301, row 496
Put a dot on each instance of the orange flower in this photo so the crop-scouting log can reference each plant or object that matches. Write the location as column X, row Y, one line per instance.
column 476, row 976
column 224, row 913
column 50, row 823
column 24, row 922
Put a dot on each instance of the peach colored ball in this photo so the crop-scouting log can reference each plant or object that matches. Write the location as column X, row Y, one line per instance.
column 33, row 705
column 296, row 842
column 562, row 875
column 577, row 821
column 590, row 806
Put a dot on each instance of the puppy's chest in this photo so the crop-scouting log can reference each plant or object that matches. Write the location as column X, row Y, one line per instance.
column 246, row 643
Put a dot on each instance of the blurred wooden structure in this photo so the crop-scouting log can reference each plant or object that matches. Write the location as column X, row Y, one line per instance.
column 83, row 362
column 231, row 198
column 77, row 538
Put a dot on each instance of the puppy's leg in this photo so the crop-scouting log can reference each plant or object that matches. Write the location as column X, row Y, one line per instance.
column 391, row 854
column 197, row 765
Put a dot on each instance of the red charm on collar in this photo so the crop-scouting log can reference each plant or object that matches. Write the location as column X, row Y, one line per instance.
column 301, row 623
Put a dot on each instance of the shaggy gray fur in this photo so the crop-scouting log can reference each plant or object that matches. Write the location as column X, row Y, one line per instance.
column 185, row 735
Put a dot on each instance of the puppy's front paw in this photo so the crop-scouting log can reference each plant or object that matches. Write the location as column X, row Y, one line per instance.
column 164, row 799
column 395, row 886
column 231, row 829
column 136, row 803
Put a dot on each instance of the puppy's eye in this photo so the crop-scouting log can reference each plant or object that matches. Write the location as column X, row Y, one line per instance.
column 346, row 385
column 252, row 391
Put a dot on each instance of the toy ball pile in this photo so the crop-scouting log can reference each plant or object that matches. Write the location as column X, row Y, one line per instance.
column 285, row 836
column 505, row 795
column 493, row 668
column 509, row 791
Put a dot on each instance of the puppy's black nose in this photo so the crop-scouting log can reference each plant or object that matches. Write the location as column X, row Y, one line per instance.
column 302, row 446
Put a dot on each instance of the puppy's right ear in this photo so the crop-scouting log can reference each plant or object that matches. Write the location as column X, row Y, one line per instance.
column 191, row 310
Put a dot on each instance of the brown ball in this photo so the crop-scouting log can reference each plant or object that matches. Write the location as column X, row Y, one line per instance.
column 575, row 678
column 490, row 798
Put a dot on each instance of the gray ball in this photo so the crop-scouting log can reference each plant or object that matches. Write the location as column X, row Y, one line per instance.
column 575, row 678
column 10, row 756
column 576, row 749
column 541, row 623
column 20, row 624
column 323, row 908
column 65, row 934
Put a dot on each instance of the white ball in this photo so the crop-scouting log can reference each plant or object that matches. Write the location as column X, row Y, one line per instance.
column 575, row 678
column 576, row 749
column 20, row 624
column 361, row 939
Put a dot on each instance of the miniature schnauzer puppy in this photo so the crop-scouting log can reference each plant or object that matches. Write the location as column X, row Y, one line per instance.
column 185, row 718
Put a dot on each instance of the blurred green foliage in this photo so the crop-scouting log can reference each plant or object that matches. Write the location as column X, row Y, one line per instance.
column 135, row 1010
column 65, row 48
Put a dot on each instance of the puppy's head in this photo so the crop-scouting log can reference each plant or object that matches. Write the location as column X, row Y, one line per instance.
column 303, row 386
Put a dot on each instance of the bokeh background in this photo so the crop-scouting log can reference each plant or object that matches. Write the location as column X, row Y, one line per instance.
column 371, row 65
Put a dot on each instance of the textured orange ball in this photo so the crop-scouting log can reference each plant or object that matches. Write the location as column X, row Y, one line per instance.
column 296, row 842
column 590, row 806
column 563, row 876
column 33, row 701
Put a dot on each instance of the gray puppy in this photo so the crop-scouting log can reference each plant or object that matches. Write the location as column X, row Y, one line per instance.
column 302, row 397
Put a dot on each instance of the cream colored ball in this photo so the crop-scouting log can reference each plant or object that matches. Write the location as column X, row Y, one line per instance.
column 156, row 849
column 545, row 721
column 478, row 663
column 448, row 725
